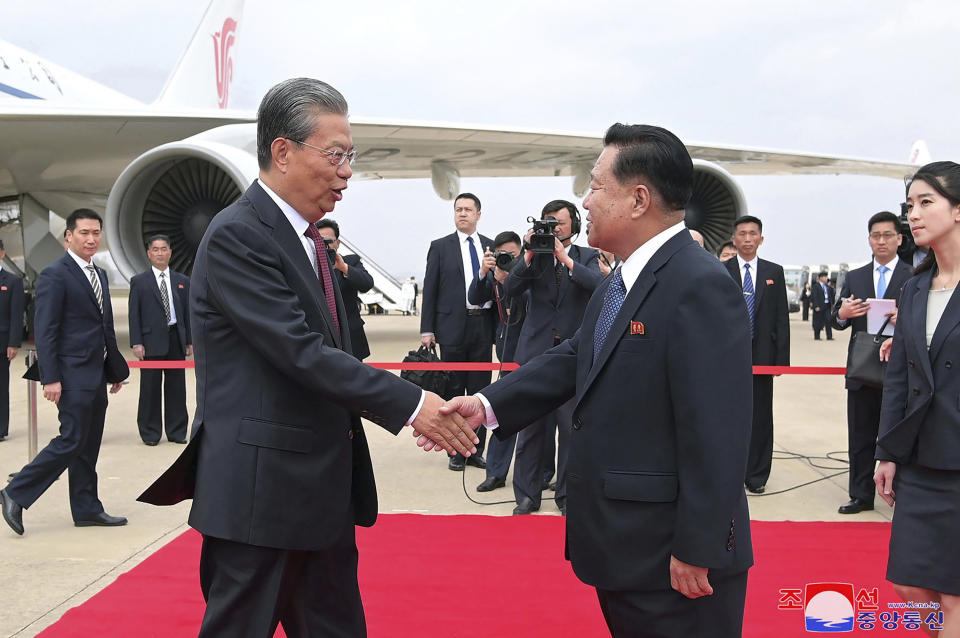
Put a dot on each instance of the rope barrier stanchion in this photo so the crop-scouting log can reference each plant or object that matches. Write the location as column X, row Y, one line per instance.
column 31, row 410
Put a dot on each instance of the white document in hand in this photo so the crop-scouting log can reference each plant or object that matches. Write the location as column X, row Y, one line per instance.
column 879, row 309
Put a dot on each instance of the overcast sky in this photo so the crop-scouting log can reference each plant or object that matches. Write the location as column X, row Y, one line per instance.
column 861, row 79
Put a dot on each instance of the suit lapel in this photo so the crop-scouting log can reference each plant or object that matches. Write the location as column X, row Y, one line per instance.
column 176, row 299
column 919, row 322
column 733, row 267
column 74, row 269
column 565, row 279
column 760, row 282
column 458, row 260
column 900, row 275
column 948, row 321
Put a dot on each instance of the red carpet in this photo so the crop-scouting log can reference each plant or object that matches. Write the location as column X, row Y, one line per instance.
column 519, row 586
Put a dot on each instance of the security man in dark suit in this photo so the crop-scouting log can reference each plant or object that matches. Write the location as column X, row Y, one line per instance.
column 78, row 356
column 278, row 465
column 159, row 318
column 352, row 278
column 765, row 294
column 822, row 298
column 511, row 312
column 463, row 330
column 12, row 301
column 560, row 286
column 657, row 517
column 882, row 278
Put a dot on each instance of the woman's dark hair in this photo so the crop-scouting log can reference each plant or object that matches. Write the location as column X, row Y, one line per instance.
column 943, row 177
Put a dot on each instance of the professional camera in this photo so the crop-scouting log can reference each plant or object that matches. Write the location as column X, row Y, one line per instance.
column 543, row 240
column 505, row 260
column 331, row 253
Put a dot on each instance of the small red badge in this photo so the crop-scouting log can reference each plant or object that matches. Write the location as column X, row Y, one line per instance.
column 769, row 282
column 180, row 286
column 3, row 287
column 636, row 327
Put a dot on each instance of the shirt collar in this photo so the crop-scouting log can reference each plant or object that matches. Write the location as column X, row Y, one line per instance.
column 752, row 262
column 296, row 219
column 890, row 264
column 463, row 237
column 83, row 263
column 631, row 268
column 156, row 271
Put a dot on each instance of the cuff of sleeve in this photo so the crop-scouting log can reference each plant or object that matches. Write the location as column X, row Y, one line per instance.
column 490, row 420
column 416, row 412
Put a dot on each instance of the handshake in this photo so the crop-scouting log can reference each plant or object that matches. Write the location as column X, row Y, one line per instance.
column 449, row 426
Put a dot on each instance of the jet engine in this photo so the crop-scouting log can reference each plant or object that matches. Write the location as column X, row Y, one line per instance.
column 716, row 202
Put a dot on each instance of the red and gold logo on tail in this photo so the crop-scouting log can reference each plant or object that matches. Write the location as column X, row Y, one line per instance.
column 223, row 41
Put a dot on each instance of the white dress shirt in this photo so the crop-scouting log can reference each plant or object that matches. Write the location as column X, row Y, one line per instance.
column 753, row 270
column 83, row 263
column 468, row 272
column 166, row 283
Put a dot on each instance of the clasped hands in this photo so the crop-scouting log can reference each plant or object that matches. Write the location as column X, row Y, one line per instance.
column 449, row 426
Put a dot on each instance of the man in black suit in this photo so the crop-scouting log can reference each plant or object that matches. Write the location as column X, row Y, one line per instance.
column 159, row 319
column 821, row 298
column 352, row 278
column 511, row 312
column 560, row 285
column 765, row 294
column 882, row 278
column 657, row 519
column 78, row 356
column 12, row 301
column 278, row 465
column 463, row 330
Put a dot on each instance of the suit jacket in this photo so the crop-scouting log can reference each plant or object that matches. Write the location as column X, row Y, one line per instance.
column 148, row 323
column 920, row 417
column 514, row 312
column 277, row 455
column 554, row 314
column 820, row 300
column 659, row 442
column 71, row 332
column 444, row 303
column 771, row 334
column 356, row 281
column 12, row 301
column 859, row 283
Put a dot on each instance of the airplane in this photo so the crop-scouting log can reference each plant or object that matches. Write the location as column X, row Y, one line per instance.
column 168, row 167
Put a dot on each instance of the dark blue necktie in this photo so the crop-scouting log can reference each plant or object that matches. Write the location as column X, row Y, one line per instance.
column 748, row 295
column 612, row 300
column 474, row 260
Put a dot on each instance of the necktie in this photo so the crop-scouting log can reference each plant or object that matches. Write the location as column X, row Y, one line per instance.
column 165, row 297
column 95, row 282
column 323, row 266
column 612, row 300
column 474, row 259
column 882, row 281
column 748, row 295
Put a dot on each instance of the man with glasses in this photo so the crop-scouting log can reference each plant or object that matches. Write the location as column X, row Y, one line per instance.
column 882, row 278
column 159, row 319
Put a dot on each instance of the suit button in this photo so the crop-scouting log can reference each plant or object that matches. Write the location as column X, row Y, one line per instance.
column 916, row 391
column 577, row 423
column 350, row 434
column 949, row 364
column 910, row 363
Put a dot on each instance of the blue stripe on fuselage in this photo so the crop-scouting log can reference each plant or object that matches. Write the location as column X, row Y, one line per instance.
column 15, row 92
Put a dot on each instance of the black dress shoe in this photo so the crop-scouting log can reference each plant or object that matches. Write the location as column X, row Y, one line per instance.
column 756, row 489
column 525, row 506
column 855, row 506
column 491, row 484
column 477, row 461
column 563, row 508
column 12, row 513
column 455, row 464
column 545, row 485
column 103, row 520
column 180, row 441
column 150, row 443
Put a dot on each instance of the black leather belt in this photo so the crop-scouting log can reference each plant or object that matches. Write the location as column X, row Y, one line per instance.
column 477, row 312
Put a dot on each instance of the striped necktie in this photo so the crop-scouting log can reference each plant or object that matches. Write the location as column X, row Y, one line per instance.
column 165, row 297
column 323, row 267
column 612, row 301
column 748, row 296
column 95, row 282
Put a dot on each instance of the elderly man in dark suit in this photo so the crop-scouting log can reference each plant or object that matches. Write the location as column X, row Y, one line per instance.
column 657, row 518
column 159, row 319
column 463, row 330
column 352, row 278
column 559, row 284
column 78, row 356
column 821, row 298
column 765, row 295
column 882, row 278
column 12, row 300
column 278, row 465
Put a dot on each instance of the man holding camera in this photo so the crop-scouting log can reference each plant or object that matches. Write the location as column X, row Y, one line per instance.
column 510, row 312
column 353, row 279
column 560, row 283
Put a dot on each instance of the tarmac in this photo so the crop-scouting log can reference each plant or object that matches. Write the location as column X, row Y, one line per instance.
column 56, row 566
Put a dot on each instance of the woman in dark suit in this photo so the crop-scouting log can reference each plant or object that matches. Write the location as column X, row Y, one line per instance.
column 919, row 438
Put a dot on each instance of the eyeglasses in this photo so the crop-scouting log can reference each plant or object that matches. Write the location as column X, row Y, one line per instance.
column 337, row 158
column 883, row 236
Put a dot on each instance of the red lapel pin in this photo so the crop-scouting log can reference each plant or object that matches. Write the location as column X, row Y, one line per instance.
column 769, row 282
column 636, row 327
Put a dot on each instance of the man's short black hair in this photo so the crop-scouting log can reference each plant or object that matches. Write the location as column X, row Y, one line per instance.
column 82, row 213
column 654, row 155
column 822, row 273
column 552, row 207
column 506, row 237
column 476, row 200
column 883, row 216
column 323, row 222
column 158, row 237
column 748, row 219
column 726, row 244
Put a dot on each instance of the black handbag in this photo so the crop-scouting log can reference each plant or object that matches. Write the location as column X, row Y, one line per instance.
column 863, row 364
column 436, row 381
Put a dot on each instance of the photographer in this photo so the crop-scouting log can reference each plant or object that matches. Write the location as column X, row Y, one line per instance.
column 560, row 284
column 510, row 311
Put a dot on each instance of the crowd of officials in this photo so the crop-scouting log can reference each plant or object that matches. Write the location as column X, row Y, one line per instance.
column 581, row 321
